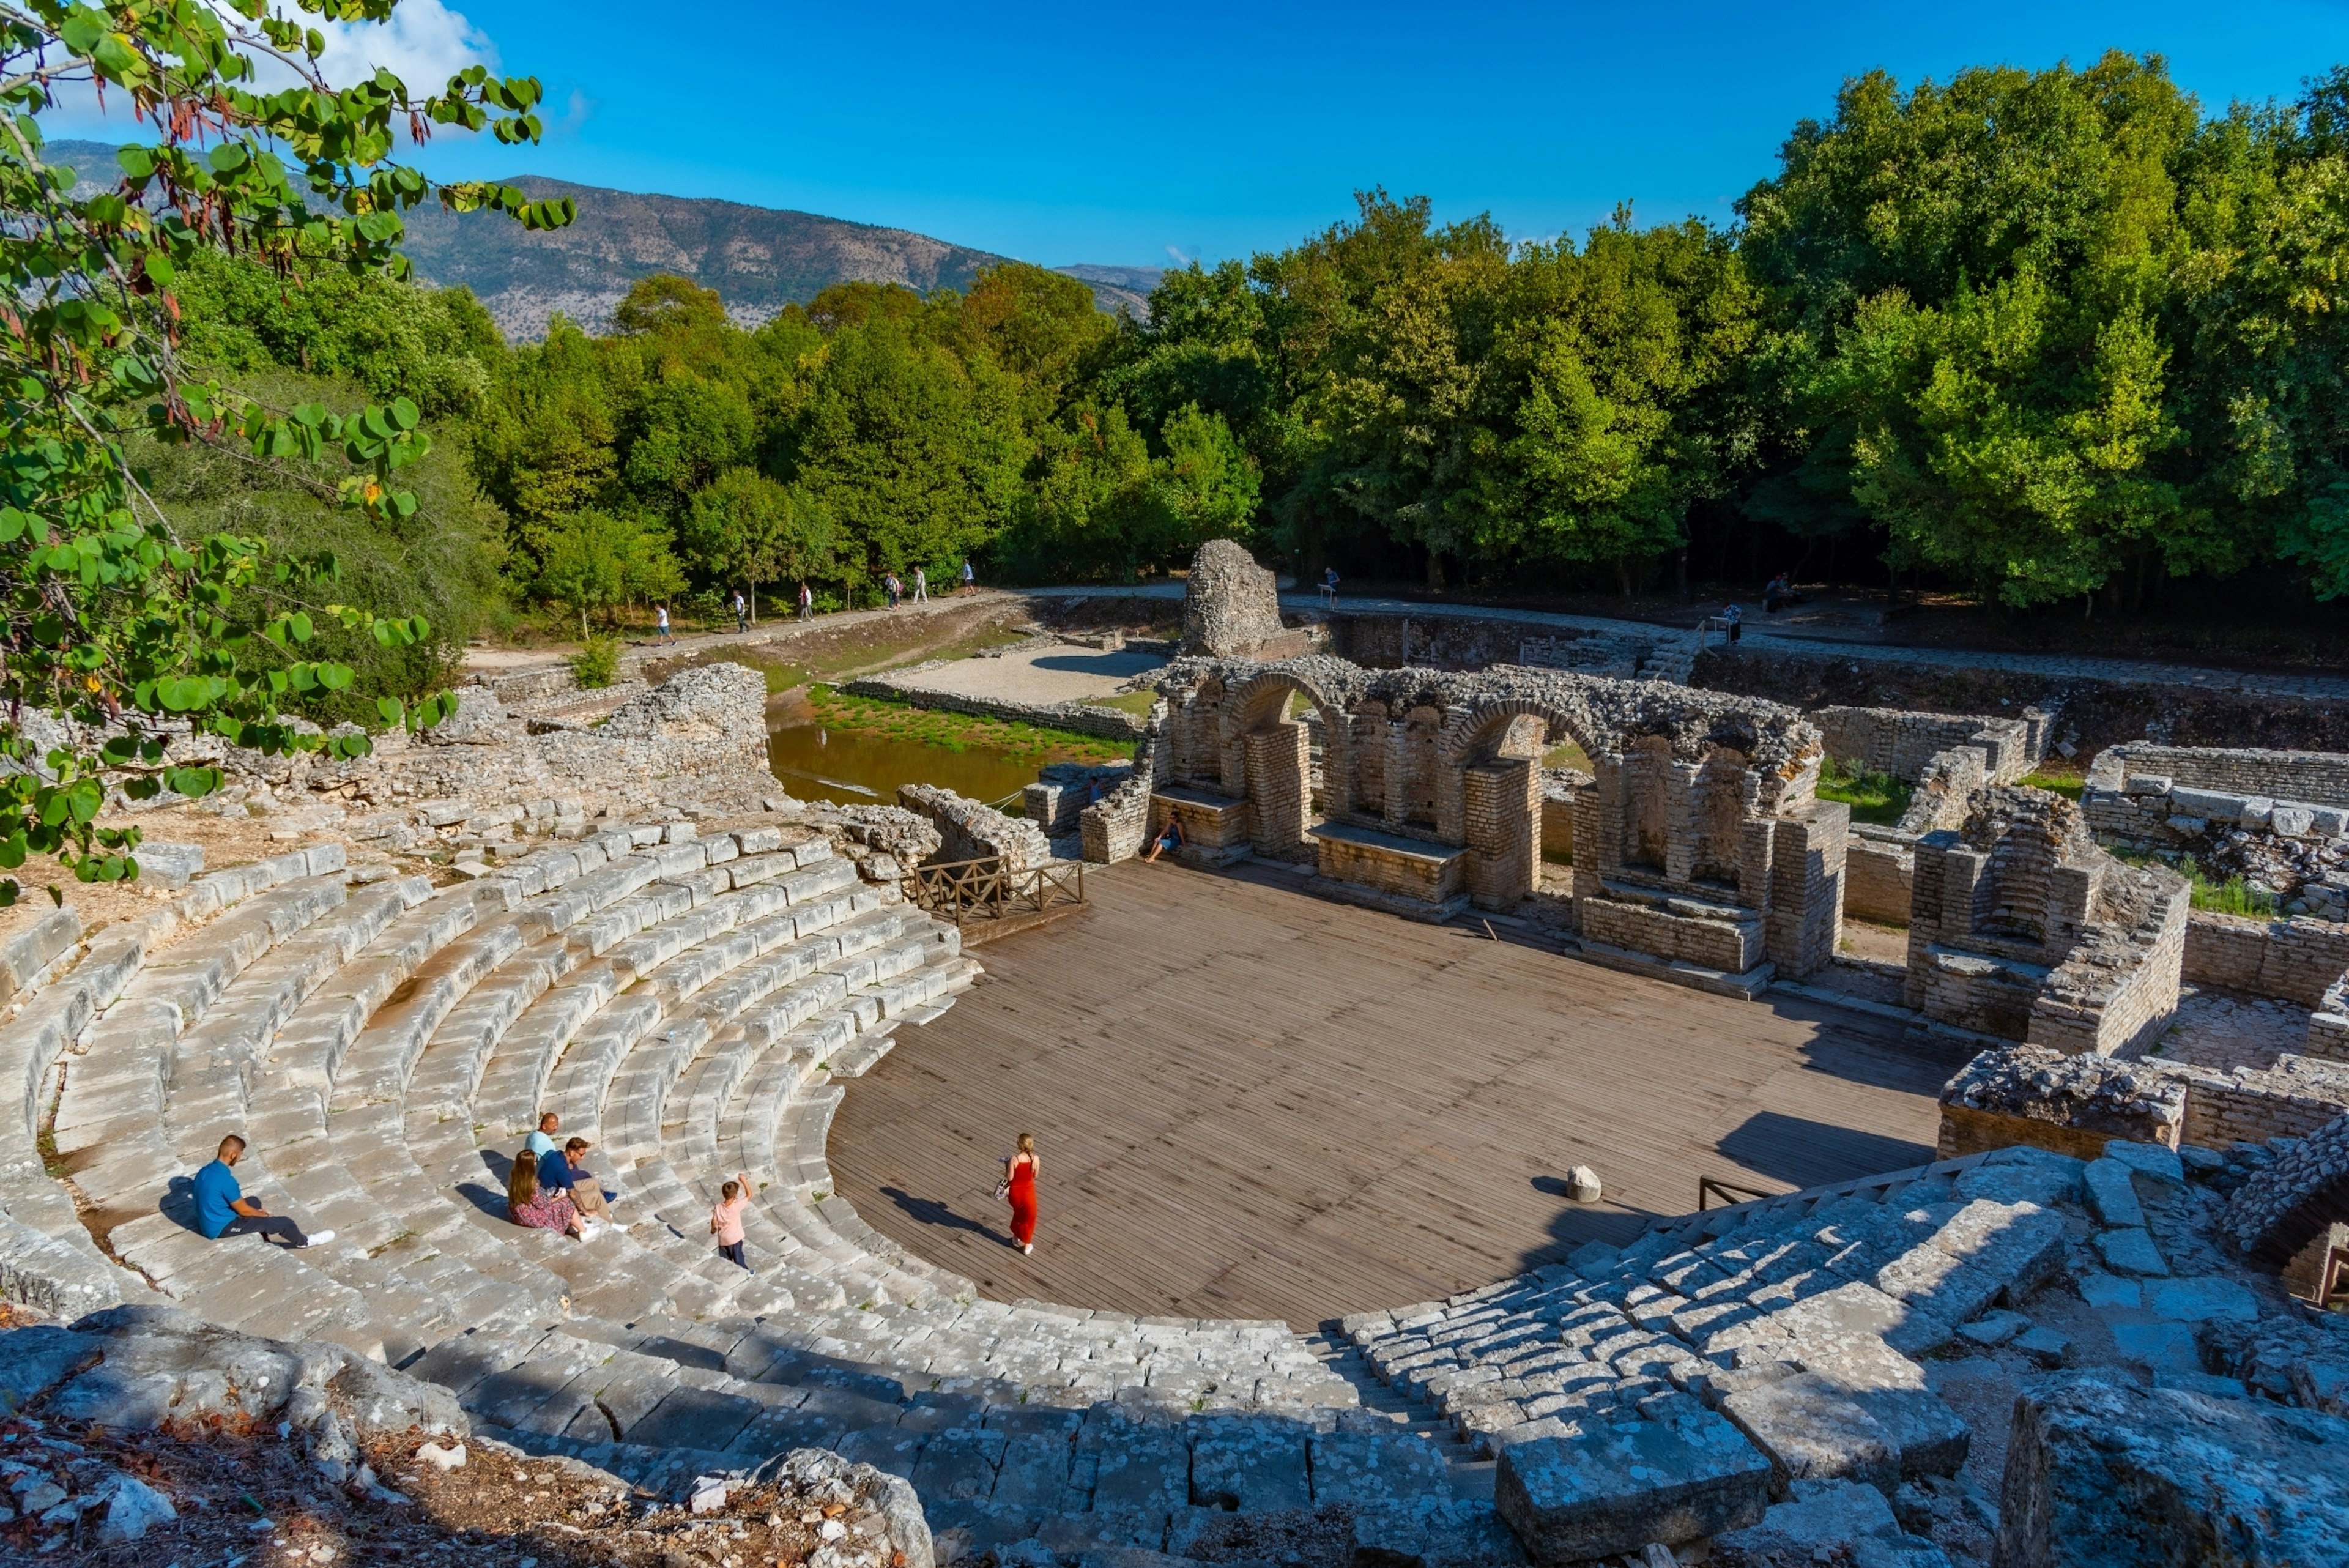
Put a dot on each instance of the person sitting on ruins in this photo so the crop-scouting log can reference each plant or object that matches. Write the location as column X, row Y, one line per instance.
column 223, row 1210
column 1169, row 838
column 541, row 1142
column 565, row 1170
column 538, row 1208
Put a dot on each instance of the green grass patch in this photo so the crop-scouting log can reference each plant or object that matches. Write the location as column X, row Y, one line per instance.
column 1568, row 755
column 835, row 710
column 1137, row 703
column 2067, row 785
column 2232, row 896
column 1873, row 796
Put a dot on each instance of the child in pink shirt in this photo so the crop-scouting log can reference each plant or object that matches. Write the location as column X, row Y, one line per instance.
column 726, row 1220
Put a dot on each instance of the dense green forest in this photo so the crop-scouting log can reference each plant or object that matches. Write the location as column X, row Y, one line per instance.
column 2035, row 337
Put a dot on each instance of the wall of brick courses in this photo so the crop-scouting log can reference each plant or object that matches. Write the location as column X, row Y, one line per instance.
column 1428, row 878
column 1900, row 742
column 2251, row 1106
column 1276, row 764
column 1733, row 948
column 1878, row 871
column 2320, row 778
column 2296, row 961
column 1503, row 801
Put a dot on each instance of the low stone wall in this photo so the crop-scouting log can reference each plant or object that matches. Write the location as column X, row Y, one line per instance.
column 1900, row 742
column 2318, row 778
column 2291, row 1099
column 2296, row 961
column 2071, row 1103
column 968, row 830
column 2030, row 1094
column 1879, row 870
column 1116, row 826
column 1084, row 718
column 1056, row 802
column 1558, row 788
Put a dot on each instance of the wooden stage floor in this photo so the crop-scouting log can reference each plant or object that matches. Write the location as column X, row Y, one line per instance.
column 1252, row 1102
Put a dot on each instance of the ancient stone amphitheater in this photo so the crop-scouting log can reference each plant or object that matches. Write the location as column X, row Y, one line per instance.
column 698, row 1001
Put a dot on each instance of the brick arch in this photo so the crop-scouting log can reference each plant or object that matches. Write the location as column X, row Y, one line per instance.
column 1250, row 704
column 1464, row 732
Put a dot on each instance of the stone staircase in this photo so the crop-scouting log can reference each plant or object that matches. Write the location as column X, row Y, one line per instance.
column 1672, row 659
column 696, row 1007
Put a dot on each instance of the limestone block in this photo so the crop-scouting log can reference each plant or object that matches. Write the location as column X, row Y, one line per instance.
column 2157, row 1162
column 1823, row 1522
column 2112, row 1196
column 2202, row 1298
column 2207, row 803
column 2292, row 821
column 1616, row 1485
column 1812, row 1428
column 2131, row 1253
column 2100, row 1474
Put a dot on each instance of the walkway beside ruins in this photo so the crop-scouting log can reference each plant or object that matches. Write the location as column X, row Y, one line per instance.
column 1252, row 1102
column 1761, row 637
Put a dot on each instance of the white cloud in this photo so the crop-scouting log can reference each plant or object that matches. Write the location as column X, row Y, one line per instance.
column 1177, row 252
column 424, row 44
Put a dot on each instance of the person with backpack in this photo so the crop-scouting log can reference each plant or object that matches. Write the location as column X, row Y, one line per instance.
column 807, row 603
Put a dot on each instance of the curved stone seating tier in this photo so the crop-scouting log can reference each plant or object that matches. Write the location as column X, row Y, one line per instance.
column 47, row 1254
column 1758, row 1345
column 697, row 1009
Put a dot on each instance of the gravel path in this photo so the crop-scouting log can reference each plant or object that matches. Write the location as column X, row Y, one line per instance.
column 1064, row 674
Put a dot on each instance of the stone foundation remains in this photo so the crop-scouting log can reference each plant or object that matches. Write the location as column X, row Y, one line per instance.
column 2021, row 928
column 1700, row 848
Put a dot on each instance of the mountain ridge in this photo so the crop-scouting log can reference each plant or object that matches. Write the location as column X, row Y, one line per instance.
column 757, row 259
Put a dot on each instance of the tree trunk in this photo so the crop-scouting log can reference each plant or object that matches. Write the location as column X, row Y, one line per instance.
column 1434, row 570
column 1623, row 573
column 582, row 623
column 754, row 604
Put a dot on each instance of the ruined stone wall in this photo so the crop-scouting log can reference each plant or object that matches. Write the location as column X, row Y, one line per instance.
column 2318, row 778
column 2298, row 960
column 2021, row 927
column 1558, row 788
column 1116, row 826
column 1880, row 873
column 1900, row 742
column 968, row 830
column 2248, row 1105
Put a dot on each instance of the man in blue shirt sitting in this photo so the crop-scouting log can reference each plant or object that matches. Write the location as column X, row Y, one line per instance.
column 223, row 1210
column 567, row 1167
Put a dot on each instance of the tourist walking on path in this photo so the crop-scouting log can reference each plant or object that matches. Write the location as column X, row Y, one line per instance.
column 536, row 1207
column 1020, row 1189
column 894, row 587
column 661, row 622
column 807, row 603
column 970, row 577
column 726, row 1220
column 223, row 1210
column 1734, row 620
column 1330, row 586
column 742, row 612
column 921, row 586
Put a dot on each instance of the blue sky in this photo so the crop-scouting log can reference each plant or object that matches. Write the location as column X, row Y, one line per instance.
column 1060, row 134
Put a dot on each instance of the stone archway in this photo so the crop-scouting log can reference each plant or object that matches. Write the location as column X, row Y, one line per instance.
column 1266, row 759
column 1489, row 790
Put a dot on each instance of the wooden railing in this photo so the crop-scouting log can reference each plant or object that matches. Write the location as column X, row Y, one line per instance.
column 1708, row 1187
column 982, row 889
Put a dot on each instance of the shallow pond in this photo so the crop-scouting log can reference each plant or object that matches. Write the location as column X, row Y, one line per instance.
column 854, row 769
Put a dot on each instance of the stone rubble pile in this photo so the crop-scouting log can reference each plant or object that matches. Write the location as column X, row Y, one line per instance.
column 2284, row 1207
column 1781, row 1353
column 1231, row 608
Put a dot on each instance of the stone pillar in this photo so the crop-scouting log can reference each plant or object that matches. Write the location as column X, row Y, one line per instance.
column 1502, row 807
column 1276, row 771
column 1803, row 920
column 1397, row 772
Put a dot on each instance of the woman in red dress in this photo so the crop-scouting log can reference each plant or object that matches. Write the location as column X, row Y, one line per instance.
column 1019, row 1184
